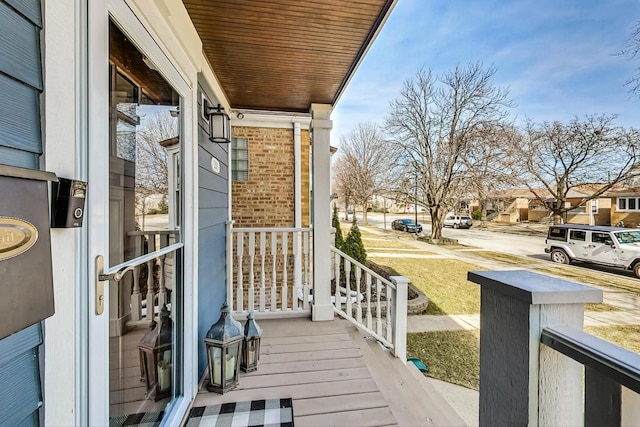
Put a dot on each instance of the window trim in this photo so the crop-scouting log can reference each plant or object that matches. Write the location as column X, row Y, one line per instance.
column 625, row 201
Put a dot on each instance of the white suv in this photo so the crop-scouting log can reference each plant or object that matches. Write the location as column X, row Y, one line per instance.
column 611, row 246
column 458, row 221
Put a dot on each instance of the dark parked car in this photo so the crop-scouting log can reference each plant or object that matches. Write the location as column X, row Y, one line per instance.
column 406, row 225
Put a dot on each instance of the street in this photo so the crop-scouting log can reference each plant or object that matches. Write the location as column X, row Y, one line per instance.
column 516, row 244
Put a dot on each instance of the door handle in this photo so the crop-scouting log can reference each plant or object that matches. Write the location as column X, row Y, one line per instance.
column 99, row 279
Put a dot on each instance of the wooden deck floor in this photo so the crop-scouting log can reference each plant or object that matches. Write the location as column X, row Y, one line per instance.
column 336, row 376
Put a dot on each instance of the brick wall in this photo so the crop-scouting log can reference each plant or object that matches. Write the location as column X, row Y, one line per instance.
column 266, row 199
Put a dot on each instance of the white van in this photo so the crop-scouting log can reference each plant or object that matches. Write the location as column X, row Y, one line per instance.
column 458, row 221
column 604, row 245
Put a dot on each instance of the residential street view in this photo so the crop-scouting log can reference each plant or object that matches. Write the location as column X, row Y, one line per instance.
column 522, row 247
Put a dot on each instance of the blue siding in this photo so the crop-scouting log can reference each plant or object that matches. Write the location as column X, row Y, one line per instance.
column 20, row 145
column 30, row 9
column 213, row 206
column 19, row 116
column 20, row 396
column 20, row 48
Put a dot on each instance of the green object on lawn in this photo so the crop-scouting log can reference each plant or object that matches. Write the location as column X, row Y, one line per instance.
column 419, row 364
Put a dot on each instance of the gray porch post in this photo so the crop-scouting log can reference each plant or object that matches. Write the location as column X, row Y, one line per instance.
column 522, row 382
column 321, row 127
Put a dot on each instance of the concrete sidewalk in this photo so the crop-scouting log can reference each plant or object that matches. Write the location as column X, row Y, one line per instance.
column 466, row 322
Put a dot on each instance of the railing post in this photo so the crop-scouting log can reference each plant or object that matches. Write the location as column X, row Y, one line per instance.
column 229, row 260
column 399, row 318
column 522, row 382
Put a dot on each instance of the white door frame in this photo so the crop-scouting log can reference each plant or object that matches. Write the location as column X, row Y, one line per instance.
column 98, row 200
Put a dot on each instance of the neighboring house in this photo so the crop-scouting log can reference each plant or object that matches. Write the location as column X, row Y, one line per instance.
column 109, row 67
column 516, row 205
column 625, row 206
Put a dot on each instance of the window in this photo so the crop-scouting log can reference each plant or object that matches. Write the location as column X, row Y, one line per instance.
column 557, row 233
column 578, row 235
column 594, row 206
column 600, row 237
column 628, row 204
column 239, row 159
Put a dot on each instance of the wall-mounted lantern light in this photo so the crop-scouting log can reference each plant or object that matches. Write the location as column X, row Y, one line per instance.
column 219, row 124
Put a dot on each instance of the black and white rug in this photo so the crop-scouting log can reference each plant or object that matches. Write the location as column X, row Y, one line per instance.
column 145, row 419
column 270, row 412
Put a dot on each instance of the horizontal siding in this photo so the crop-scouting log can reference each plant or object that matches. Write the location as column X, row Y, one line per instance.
column 30, row 9
column 20, row 48
column 19, row 374
column 19, row 116
column 211, row 199
column 212, row 216
column 23, row 159
column 213, row 205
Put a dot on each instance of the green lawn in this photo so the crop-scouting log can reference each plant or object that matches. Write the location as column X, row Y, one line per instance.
column 444, row 281
column 451, row 356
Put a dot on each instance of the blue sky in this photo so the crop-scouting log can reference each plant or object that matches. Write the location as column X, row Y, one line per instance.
column 558, row 57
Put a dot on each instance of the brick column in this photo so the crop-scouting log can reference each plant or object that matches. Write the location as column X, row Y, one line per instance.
column 321, row 127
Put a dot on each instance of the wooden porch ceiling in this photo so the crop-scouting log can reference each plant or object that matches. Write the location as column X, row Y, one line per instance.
column 284, row 55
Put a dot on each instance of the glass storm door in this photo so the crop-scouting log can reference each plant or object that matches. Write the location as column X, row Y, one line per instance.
column 140, row 275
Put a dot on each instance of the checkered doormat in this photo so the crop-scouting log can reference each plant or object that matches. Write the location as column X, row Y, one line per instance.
column 270, row 412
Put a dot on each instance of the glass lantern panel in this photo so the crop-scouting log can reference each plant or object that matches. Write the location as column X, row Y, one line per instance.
column 231, row 363
column 215, row 365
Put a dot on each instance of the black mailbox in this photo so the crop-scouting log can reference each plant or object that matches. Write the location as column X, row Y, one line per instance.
column 26, row 284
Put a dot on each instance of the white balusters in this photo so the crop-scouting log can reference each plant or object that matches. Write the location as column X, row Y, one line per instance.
column 136, row 296
column 378, row 308
column 162, row 290
column 336, row 267
column 368, row 280
column 252, row 251
column 390, row 301
column 358, row 295
column 285, row 264
column 347, row 276
column 239, row 254
column 263, row 254
column 277, row 269
column 297, row 286
column 305, row 276
column 274, row 253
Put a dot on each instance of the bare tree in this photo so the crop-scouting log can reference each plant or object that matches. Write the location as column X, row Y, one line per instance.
column 152, row 168
column 363, row 164
column 489, row 164
column 632, row 50
column 558, row 157
column 434, row 121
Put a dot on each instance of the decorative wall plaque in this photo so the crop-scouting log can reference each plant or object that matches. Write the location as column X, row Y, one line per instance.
column 16, row 236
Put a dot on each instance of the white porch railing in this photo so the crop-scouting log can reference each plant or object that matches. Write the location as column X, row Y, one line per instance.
column 532, row 353
column 269, row 270
column 371, row 302
column 144, row 290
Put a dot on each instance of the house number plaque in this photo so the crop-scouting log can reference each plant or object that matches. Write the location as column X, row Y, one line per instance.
column 16, row 236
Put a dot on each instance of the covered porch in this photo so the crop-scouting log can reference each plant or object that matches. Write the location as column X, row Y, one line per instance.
column 336, row 375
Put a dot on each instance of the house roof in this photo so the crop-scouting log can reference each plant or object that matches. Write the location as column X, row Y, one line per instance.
column 286, row 54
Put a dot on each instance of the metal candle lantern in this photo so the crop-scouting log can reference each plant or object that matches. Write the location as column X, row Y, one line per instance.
column 155, row 355
column 223, row 342
column 251, row 345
